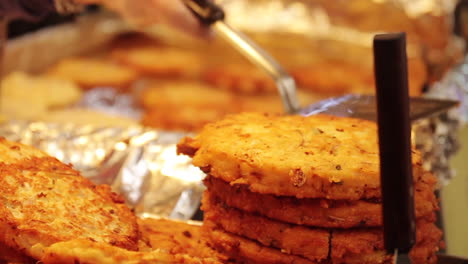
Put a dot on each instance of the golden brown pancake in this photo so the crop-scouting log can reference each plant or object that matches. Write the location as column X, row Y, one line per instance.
column 177, row 238
column 318, row 156
column 366, row 245
column 310, row 243
column 86, row 251
column 318, row 212
column 240, row 79
column 94, row 72
column 246, row 251
column 155, row 60
column 40, row 207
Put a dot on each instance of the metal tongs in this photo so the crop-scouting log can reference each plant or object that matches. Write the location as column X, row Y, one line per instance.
column 212, row 15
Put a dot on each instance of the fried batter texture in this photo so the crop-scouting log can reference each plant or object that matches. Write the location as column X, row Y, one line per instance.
column 86, row 251
column 177, row 238
column 318, row 156
column 161, row 241
column 309, row 243
column 246, row 251
column 366, row 246
column 318, row 212
column 31, row 159
column 41, row 207
column 10, row 255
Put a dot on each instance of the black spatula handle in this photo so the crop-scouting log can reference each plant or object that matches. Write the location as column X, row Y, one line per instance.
column 391, row 77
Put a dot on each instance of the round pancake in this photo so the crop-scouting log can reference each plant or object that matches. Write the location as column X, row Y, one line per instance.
column 333, row 78
column 318, row 212
column 366, row 246
column 245, row 251
column 318, row 156
column 39, row 208
column 185, row 106
column 185, row 93
column 240, row 79
column 174, row 106
column 92, row 72
column 309, row 243
column 154, row 60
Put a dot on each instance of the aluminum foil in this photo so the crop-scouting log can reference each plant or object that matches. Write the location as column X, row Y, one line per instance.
column 444, row 131
column 139, row 163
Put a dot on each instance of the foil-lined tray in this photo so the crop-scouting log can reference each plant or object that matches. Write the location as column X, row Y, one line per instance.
column 139, row 163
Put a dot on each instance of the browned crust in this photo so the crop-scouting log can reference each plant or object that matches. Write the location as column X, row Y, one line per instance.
column 177, row 238
column 10, row 255
column 245, row 251
column 86, row 251
column 349, row 246
column 309, row 243
column 28, row 158
column 307, row 157
column 318, row 212
column 40, row 208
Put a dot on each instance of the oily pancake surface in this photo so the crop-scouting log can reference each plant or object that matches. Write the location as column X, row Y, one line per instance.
column 39, row 208
column 318, row 212
column 308, row 157
column 309, row 243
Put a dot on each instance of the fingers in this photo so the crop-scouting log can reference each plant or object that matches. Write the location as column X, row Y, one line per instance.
column 177, row 15
column 148, row 12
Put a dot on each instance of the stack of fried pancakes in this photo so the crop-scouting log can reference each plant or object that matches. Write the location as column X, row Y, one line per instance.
column 292, row 189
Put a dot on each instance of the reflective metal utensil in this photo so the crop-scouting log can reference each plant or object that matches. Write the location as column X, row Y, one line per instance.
column 212, row 15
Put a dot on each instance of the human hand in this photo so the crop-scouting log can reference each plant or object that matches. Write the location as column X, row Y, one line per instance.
column 149, row 12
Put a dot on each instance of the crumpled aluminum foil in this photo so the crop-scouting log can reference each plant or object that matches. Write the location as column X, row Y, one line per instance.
column 437, row 139
column 454, row 86
column 444, row 130
column 139, row 163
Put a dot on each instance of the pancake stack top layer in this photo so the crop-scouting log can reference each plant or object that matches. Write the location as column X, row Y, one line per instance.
column 292, row 189
column 306, row 157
